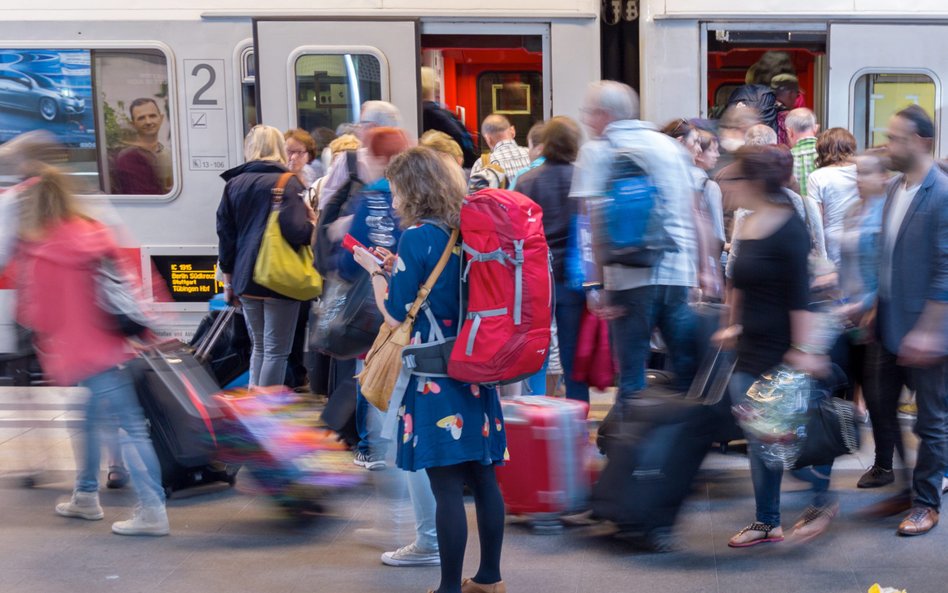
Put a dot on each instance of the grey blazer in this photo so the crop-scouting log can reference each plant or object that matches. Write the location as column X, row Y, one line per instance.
column 919, row 259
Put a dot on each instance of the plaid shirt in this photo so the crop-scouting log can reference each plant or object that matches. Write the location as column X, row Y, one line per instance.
column 508, row 155
column 804, row 161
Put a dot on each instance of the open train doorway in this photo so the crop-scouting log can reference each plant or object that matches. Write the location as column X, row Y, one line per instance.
column 739, row 53
column 482, row 69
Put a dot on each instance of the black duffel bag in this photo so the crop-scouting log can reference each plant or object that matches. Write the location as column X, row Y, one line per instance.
column 831, row 432
column 345, row 321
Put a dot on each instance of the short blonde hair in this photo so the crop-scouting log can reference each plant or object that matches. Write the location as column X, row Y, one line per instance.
column 343, row 143
column 265, row 143
column 441, row 142
column 428, row 185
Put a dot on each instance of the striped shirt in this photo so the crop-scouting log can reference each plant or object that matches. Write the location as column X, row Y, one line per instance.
column 508, row 155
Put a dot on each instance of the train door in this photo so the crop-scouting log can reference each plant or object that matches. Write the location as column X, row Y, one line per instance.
column 732, row 49
column 481, row 69
column 875, row 70
column 315, row 74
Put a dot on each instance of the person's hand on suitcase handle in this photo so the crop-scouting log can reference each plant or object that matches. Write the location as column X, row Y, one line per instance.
column 726, row 338
column 229, row 297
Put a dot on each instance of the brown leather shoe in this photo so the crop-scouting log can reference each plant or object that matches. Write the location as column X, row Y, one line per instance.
column 920, row 520
column 469, row 586
column 887, row 507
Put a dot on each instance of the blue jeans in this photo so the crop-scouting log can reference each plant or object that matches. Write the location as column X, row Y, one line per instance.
column 767, row 479
column 665, row 307
column 368, row 422
column 271, row 324
column 113, row 400
column 569, row 312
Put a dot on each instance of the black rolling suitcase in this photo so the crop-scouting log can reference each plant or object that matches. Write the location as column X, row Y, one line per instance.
column 223, row 345
column 655, row 445
column 176, row 393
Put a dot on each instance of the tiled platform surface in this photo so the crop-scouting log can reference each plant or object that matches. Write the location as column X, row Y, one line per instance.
column 234, row 541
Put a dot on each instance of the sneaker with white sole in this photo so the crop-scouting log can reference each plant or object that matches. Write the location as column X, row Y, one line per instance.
column 144, row 521
column 411, row 555
column 82, row 505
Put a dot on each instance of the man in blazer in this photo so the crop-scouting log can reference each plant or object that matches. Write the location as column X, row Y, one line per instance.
column 912, row 313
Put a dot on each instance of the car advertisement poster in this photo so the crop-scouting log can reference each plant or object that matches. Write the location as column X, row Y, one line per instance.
column 47, row 89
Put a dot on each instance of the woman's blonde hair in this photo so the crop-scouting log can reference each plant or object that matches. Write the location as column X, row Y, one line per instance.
column 344, row 142
column 441, row 142
column 49, row 201
column 428, row 185
column 265, row 143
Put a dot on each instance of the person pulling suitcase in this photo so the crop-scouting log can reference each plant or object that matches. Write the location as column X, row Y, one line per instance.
column 63, row 259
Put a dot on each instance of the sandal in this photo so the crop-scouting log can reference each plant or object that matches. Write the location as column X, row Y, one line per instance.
column 770, row 533
column 117, row 477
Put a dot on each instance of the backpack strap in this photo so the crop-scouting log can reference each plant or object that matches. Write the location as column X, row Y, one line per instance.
column 352, row 165
column 425, row 289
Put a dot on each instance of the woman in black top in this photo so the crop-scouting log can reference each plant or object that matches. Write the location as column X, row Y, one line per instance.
column 548, row 185
column 769, row 321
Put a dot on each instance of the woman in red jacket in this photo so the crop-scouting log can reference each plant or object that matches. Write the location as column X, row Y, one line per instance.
column 57, row 256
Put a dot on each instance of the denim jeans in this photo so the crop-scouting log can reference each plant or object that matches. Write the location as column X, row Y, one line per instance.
column 368, row 422
column 569, row 312
column 931, row 397
column 271, row 324
column 112, row 400
column 665, row 307
column 767, row 479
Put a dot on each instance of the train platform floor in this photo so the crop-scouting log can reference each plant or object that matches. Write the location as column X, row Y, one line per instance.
column 233, row 540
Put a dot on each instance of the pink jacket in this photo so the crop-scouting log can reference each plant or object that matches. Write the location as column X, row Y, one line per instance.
column 55, row 278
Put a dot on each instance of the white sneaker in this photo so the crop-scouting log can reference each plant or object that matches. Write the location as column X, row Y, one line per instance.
column 82, row 505
column 144, row 521
column 944, row 485
column 411, row 555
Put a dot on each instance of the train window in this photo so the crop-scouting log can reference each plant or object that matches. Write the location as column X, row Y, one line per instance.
column 516, row 94
column 330, row 88
column 108, row 108
column 248, row 92
column 878, row 95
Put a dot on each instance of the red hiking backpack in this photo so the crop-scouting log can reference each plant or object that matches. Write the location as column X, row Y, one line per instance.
column 505, row 335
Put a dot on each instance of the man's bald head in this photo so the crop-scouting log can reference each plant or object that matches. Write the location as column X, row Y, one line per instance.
column 497, row 128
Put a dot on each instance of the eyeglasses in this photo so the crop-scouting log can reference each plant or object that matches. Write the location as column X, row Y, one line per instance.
column 295, row 152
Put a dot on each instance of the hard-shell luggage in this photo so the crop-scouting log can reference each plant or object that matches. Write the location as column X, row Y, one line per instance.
column 655, row 444
column 176, row 393
column 271, row 433
column 340, row 411
column 548, row 444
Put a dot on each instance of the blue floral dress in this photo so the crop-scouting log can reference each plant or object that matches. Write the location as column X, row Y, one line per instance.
column 441, row 421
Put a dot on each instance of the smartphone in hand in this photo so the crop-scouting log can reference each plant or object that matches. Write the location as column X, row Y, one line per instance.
column 349, row 243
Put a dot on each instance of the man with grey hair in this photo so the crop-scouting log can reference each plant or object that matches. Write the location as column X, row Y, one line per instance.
column 760, row 135
column 506, row 157
column 801, row 132
column 637, row 299
column 374, row 114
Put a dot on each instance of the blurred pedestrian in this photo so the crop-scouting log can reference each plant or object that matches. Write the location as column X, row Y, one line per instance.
column 451, row 430
column 639, row 299
column 499, row 167
column 769, row 323
column 801, row 132
column 61, row 248
column 241, row 220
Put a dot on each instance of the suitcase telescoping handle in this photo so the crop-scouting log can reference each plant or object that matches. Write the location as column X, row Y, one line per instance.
column 513, row 415
column 714, row 372
column 207, row 343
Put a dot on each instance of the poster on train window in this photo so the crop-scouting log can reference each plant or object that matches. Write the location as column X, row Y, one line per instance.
column 47, row 89
column 134, row 112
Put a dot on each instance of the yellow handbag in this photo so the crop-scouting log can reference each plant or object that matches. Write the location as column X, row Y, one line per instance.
column 279, row 266
column 383, row 363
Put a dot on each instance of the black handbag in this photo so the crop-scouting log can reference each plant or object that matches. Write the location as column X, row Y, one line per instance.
column 116, row 296
column 831, row 431
column 346, row 320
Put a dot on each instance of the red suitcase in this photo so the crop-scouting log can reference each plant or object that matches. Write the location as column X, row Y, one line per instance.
column 547, row 474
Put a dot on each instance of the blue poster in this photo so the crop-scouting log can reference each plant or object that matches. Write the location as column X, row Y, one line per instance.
column 49, row 90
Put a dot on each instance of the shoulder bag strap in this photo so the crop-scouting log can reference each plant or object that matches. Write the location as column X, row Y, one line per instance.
column 430, row 282
column 277, row 191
